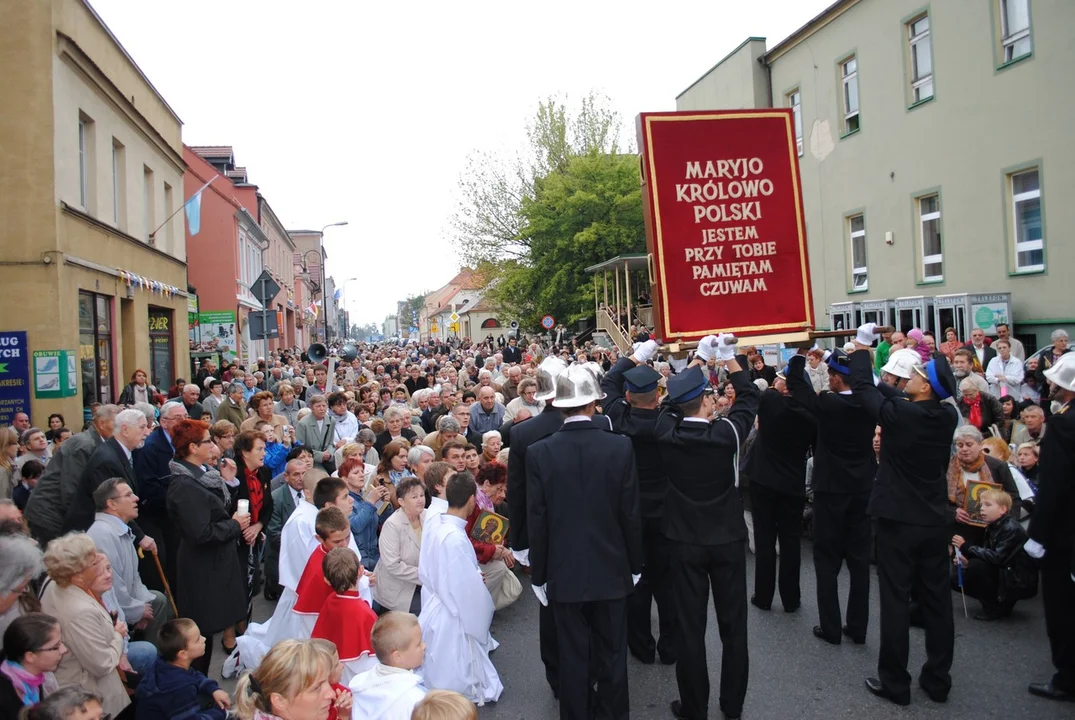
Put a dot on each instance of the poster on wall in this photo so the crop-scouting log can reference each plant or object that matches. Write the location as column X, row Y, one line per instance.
column 216, row 333
column 55, row 374
column 724, row 221
column 14, row 375
column 988, row 311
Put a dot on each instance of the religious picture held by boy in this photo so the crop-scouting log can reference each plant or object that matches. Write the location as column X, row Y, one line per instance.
column 171, row 688
column 391, row 689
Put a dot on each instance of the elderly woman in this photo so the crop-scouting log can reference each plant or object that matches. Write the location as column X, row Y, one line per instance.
column 971, row 464
column 292, row 682
column 978, row 408
column 997, row 448
column 139, row 655
column 1004, row 373
column 20, row 563
column 448, row 428
column 263, row 403
column 33, row 649
column 527, row 398
column 495, row 558
column 211, row 589
column 368, row 439
column 1026, row 455
column 289, row 404
column 951, row 343
column 491, row 445
column 394, row 418
column 223, row 433
column 397, row 585
column 94, row 640
column 817, row 370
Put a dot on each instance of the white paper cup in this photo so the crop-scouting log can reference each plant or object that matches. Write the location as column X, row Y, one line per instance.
column 244, row 507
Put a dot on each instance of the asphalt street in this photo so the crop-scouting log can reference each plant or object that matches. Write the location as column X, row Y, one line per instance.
column 795, row 675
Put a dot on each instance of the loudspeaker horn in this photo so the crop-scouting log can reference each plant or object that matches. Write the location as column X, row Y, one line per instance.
column 349, row 353
column 317, row 352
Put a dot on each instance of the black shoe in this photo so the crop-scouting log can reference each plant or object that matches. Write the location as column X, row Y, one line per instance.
column 857, row 640
column 819, row 633
column 874, row 685
column 1048, row 690
column 755, row 603
column 988, row 614
column 677, row 710
column 667, row 659
column 792, row 608
column 935, row 697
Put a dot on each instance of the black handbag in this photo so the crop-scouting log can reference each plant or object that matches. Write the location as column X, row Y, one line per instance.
column 330, row 464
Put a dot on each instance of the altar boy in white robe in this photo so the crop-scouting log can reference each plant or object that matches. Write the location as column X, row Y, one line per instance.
column 456, row 617
column 298, row 540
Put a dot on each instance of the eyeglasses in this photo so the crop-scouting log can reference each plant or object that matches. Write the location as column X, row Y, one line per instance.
column 207, row 442
column 54, row 648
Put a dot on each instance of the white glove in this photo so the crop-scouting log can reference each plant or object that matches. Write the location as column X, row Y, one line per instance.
column 522, row 556
column 539, row 590
column 1034, row 549
column 646, row 351
column 867, row 333
column 707, row 348
column 636, row 578
column 727, row 352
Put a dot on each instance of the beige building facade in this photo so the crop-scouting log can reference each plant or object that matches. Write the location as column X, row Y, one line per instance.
column 92, row 169
column 933, row 138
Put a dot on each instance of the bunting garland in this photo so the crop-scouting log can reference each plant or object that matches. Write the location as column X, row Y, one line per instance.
column 143, row 283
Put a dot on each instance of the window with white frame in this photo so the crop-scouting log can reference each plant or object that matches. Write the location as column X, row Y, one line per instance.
column 149, row 202
column 1015, row 29
column 929, row 231
column 119, row 184
column 921, row 59
column 850, row 80
column 1027, row 231
column 856, row 228
column 794, row 101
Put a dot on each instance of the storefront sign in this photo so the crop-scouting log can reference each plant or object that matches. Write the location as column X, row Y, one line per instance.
column 55, row 374
column 988, row 315
column 216, row 333
column 724, row 224
column 14, row 375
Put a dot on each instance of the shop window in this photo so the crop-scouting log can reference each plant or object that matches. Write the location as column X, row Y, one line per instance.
column 95, row 347
column 161, row 348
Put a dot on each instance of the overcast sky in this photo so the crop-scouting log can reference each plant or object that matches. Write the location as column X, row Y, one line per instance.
column 366, row 112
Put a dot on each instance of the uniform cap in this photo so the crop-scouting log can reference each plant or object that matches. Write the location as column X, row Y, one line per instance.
column 686, row 386
column 641, row 379
column 839, row 361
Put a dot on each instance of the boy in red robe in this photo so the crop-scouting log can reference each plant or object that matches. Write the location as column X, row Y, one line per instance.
column 346, row 619
column 333, row 531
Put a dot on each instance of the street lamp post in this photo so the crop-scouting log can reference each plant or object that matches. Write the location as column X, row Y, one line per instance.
column 321, row 249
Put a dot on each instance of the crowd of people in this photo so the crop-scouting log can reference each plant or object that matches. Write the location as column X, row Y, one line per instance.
column 389, row 498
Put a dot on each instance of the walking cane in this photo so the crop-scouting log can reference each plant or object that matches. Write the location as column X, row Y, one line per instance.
column 959, row 579
column 160, row 571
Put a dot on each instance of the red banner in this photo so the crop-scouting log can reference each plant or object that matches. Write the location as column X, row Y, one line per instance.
column 724, row 223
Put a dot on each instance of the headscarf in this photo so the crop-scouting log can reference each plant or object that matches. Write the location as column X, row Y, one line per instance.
column 957, row 489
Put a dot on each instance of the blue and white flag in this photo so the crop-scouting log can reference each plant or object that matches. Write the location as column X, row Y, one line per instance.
column 193, row 208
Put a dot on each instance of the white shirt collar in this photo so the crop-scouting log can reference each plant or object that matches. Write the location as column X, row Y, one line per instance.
column 696, row 419
column 576, row 418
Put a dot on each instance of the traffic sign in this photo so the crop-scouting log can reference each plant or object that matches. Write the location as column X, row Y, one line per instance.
column 454, row 317
column 548, row 322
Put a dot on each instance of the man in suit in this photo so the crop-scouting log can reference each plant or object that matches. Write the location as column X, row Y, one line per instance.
column 316, row 431
column 982, row 352
column 522, row 437
column 703, row 518
column 778, row 491
column 55, row 491
column 910, row 502
column 233, row 408
column 111, row 459
column 512, row 353
column 284, row 501
column 1052, row 532
column 151, row 467
column 634, row 414
column 585, row 532
column 844, row 469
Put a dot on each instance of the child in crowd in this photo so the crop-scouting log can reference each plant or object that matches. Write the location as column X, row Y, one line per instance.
column 31, row 472
column 346, row 620
column 391, row 689
column 333, row 531
column 445, row 705
column 171, row 688
column 341, row 708
column 998, row 572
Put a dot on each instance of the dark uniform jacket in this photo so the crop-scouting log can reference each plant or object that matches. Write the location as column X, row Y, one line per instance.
column 785, row 434
column 843, row 456
column 1054, row 507
column 151, row 466
column 916, row 444
column 640, row 425
column 703, row 505
column 583, row 520
column 522, row 437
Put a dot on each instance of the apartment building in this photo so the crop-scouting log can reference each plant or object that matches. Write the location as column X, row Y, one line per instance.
column 930, row 135
column 93, row 250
